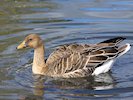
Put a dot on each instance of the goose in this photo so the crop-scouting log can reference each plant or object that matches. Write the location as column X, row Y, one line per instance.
column 74, row 60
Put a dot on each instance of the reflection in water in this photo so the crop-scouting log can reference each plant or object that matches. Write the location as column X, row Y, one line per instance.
column 38, row 89
column 39, row 86
column 69, row 86
column 105, row 78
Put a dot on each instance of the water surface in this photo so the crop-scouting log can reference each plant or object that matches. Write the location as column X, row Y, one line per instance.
column 59, row 22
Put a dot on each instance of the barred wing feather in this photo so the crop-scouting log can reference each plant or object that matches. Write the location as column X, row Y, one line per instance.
column 75, row 60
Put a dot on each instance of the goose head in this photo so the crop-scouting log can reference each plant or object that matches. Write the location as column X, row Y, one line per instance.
column 32, row 41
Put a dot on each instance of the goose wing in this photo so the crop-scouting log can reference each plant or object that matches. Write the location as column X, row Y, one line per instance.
column 77, row 60
column 67, row 58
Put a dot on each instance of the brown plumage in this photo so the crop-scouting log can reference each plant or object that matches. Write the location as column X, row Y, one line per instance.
column 73, row 60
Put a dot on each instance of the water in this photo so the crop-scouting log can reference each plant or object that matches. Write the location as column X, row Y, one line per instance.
column 60, row 22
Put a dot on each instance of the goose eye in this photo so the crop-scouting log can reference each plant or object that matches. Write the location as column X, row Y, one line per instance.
column 30, row 39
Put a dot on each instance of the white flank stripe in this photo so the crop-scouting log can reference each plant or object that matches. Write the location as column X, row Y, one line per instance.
column 104, row 68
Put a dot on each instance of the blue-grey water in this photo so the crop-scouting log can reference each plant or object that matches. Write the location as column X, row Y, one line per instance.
column 59, row 22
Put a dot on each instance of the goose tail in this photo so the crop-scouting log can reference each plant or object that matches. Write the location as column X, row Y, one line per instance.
column 116, row 40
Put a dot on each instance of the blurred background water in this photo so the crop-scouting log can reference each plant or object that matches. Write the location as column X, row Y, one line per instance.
column 60, row 22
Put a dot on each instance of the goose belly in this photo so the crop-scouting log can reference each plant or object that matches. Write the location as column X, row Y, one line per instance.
column 104, row 68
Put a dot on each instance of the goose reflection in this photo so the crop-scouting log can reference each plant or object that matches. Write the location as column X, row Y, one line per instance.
column 38, row 89
column 101, row 82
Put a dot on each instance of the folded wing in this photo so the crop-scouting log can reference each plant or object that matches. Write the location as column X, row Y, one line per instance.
column 77, row 60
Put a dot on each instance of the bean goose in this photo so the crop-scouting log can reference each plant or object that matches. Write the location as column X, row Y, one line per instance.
column 74, row 60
